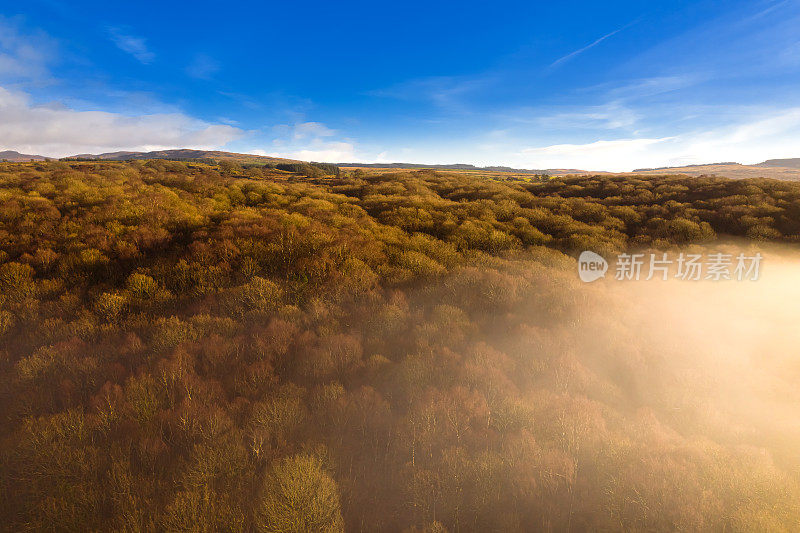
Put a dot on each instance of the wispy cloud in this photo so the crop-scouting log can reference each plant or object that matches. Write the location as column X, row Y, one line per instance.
column 561, row 60
column 135, row 46
column 610, row 116
column 771, row 6
column 203, row 67
column 24, row 56
column 745, row 43
column 640, row 88
column 445, row 92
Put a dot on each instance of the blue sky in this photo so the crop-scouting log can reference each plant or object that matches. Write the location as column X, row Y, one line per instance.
column 603, row 86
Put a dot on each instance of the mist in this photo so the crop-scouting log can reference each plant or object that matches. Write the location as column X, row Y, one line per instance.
column 678, row 398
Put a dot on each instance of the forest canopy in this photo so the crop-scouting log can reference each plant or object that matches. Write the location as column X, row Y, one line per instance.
column 186, row 346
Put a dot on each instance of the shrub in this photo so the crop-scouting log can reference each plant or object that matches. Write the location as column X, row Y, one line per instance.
column 259, row 295
column 110, row 305
column 170, row 332
column 230, row 167
column 141, row 286
column 275, row 420
column 299, row 496
column 16, row 280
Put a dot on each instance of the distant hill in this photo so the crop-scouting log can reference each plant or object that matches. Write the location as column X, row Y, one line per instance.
column 732, row 170
column 769, row 169
column 784, row 169
column 183, row 154
column 786, row 163
column 15, row 157
column 454, row 166
column 689, row 166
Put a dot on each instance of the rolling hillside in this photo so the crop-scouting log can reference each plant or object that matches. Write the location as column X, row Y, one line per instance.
column 184, row 154
column 786, row 163
column 16, row 157
column 767, row 169
column 783, row 169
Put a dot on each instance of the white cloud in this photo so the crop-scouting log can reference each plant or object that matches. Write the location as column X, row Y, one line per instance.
column 305, row 130
column 773, row 136
column 751, row 140
column 55, row 130
column 135, row 46
column 317, row 150
column 598, row 155
column 332, row 152
column 313, row 141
